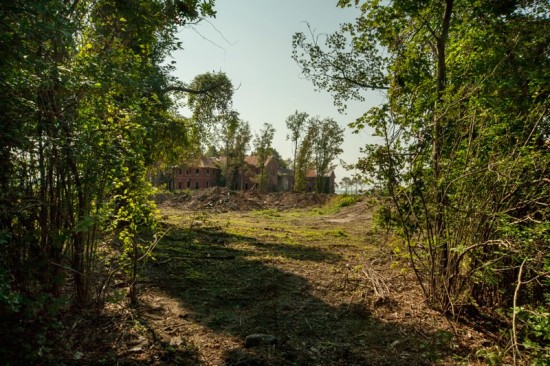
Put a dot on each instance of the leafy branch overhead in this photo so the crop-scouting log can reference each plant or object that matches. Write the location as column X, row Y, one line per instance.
column 204, row 90
column 341, row 63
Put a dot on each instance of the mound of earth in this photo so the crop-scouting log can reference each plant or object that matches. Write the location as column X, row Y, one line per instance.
column 221, row 199
column 358, row 212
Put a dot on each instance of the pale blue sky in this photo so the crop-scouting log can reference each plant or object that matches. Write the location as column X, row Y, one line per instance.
column 251, row 41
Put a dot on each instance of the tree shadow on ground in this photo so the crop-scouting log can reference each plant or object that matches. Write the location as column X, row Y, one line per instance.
column 226, row 285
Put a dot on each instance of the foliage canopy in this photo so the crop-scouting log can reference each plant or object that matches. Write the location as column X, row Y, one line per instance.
column 86, row 106
column 464, row 163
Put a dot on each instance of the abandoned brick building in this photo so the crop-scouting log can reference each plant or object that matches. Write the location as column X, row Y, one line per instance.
column 206, row 172
column 196, row 174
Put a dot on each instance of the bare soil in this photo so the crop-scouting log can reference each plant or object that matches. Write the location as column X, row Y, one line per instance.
column 218, row 199
column 319, row 279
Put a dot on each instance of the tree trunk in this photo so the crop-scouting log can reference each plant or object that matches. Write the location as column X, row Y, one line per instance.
column 437, row 146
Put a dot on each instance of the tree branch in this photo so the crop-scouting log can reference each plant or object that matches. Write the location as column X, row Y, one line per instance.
column 357, row 83
column 179, row 88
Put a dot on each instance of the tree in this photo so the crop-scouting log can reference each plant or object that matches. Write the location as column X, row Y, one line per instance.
column 327, row 145
column 358, row 182
column 346, row 183
column 242, row 144
column 278, row 158
column 237, row 140
column 230, row 126
column 304, row 159
column 212, row 151
column 212, row 111
column 321, row 144
column 296, row 123
column 176, row 138
column 262, row 146
column 463, row 160
column 86, row 98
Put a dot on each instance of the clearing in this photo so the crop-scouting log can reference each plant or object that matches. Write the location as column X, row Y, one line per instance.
column 318, row 278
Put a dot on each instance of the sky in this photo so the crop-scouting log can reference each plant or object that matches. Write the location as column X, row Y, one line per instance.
column 251, row 41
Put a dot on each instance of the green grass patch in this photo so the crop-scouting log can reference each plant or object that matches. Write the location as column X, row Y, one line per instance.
column 347, row 200
column 333, row 206
column 270, row 212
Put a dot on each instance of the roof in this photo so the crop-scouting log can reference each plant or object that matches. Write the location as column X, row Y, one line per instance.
column 201, row 162
column 205, row 162
column 313, row 174
column 285, row 171
column 253, row 160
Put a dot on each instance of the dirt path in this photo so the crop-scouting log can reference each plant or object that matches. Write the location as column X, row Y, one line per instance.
column 320, row 287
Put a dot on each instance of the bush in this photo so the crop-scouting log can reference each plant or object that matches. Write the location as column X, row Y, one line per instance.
column 347, row 200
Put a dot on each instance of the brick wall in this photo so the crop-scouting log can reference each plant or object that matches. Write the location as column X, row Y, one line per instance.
column 195, row 178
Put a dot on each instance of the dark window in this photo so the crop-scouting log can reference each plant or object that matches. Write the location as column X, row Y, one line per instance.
column 196, row 185
column 207, row 184
column 246, row 186
column 179, row 185
column 179, row 171
column 197, row 171
column 188, row 184
column 207, row 171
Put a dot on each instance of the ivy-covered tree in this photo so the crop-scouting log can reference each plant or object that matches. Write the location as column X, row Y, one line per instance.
column 86, row 99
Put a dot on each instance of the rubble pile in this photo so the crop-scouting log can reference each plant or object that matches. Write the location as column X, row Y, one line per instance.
column 221, row 199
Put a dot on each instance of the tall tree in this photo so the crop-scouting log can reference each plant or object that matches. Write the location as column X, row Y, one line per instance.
column 230, row 127
column 213, row 114
column 296, row 123
column 304, row 158
column 322, row 143
column 237, row 136
column 262, row 145
column 212, row 110
column 86, row 93
column 464, row 159
column 242, row 144
column 327, row 145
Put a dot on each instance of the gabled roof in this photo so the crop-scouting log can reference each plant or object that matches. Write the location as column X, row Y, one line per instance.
column 254, row 160
column 201, row 162
column 205, row 162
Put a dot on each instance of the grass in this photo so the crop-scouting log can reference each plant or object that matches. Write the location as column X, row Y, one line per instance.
column 270, row 212
column 289, row 227
column 341, row 201
column 297, row 275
